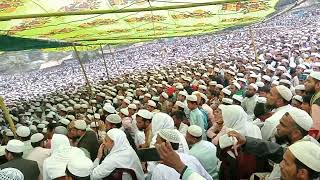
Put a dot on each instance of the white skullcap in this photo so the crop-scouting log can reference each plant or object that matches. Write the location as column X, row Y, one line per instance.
column 179, row 86
column 180, row 104
column 132, row 106
column 9, row 134
column 124, row 111
column 96, row 116
column 237, row 85
column 213, row 83
column 254, row 86
column 49, row 115
column 41, row 126
column 101, row 94
column 226, row 91
column 80, row 124
column 147, row 95
column 2, row 150
column 219, row 86
column 152, row 103
column 84, row 106
column 114, row 118
column 298, row 98
column 145, row 114
column 285, row 81
column 227, row 100
column 267, row 78
column 299, row 87
column 170, row 135
column 127, row 101
column 23, row 131
column 94, row 124
column 315, row 75
column 195, row 130
column 11, row 174
column 203, row 87
column 282, row 68
column 308, row 153
column 165, row 95
column 77, row 106
column 237, row 97
column 192, row 98
column 301, row 117
column 80, row 166
column 284, row 92
column 64, row 121
column 260, row 84
column 36, row 137
column 275, row 83
column 262, row 100
column 60, row 130
column 15, row 146
column 183, row 93
column 252, row 75
column 109, row 108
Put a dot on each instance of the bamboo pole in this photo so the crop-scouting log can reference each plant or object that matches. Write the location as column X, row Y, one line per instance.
column 7, row 115
column 104, row 61
column 114, row 11
column 83, row 70
column 254, row 45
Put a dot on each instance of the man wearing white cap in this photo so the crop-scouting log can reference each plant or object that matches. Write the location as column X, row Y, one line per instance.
column 163, row 101
column 86, row 140
column 24, row 133
column 79, row 167
column 143, row 121
column 293, row 127
column 250, row 101
column 312, row 86
column 204, row 151
column 38, row 154
column 178, row 117
column 29, row 168
column 196, row 116
column 279, row 99
column 163, row 172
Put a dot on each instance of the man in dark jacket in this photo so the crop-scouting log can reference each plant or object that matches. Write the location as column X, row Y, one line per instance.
column 14, row 152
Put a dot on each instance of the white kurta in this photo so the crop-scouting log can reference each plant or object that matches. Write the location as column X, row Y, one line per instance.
column 163, row 172
column 39, row 154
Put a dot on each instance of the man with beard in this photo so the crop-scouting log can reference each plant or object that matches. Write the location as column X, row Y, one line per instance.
column 294, row 126
column 249, row 102
column 312, row 86
column 279, row 100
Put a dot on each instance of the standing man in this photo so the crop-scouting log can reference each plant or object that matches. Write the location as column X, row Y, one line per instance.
column 250, row 101
column 196, row 116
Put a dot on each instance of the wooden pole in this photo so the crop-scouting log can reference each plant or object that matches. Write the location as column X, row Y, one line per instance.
column 104, row 61
column 253, row 45
column 7, row 115
column 83, row 70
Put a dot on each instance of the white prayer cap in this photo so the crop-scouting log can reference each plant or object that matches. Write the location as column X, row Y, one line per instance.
column 203, row 87
column 85, row 106
column 252, row 75
column 124, row 111
column 97, row 116
column 237, row 85
column 298, row 98
column 135, row 102
column 195, row 130
column 301, row 117
column 80, row 166
column 299, row 87
column 170, row 135
column 36, row 137
column 285, row 81
column 219, row 86
column 226, row 91
column 49, row 115
column 101, row 94
column 284, row 92
column 2, row 150
column 41, row 126
column 271, row 68
column 132, row 106
column 240, row 75
column 80, row 124
column 165, row 95
column 15, row 146
column 254, row 86
column 60, row 130
column 275, row 83
column 287, row 75
column 192, row 98
column 262, row 100
column 282, row 68
column 9, row 134
column 237, row 97
column 94, row 124
column 23, row 131
column 260, row 84
column 227, row 100
column 114, row 118
column 213, row 83
column 77, row 106
column 11, row 174
column 315, row 75
column 145, row 114
column 180, row 104
column 127, row 101
column 183, row 93
column 308, row 153
column 267, row 78
column 64, row 121
column 147, row 95
column 152, row 103
column 109, row 108
column 71, row 117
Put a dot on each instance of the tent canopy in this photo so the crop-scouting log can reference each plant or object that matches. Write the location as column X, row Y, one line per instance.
column 125, row 21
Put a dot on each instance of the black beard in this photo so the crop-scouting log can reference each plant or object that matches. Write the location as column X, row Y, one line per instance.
column 282, row 139
column 249, row 95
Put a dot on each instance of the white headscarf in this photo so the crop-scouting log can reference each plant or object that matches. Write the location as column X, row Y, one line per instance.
column 161, row 121
column 55, row 165
column 121, row 156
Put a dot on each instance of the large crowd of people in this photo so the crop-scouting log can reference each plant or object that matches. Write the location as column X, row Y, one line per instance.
column 204, row 107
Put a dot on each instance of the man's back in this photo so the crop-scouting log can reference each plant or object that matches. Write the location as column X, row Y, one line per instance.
column 28, row 168
column 89, row 141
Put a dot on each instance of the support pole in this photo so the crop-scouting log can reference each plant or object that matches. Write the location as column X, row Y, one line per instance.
column 104, row 61
column 7, row 115
column 114, row 60
column 83, row 70
column 254, row 45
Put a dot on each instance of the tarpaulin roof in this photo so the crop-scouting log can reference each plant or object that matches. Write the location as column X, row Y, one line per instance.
column 125, row 21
